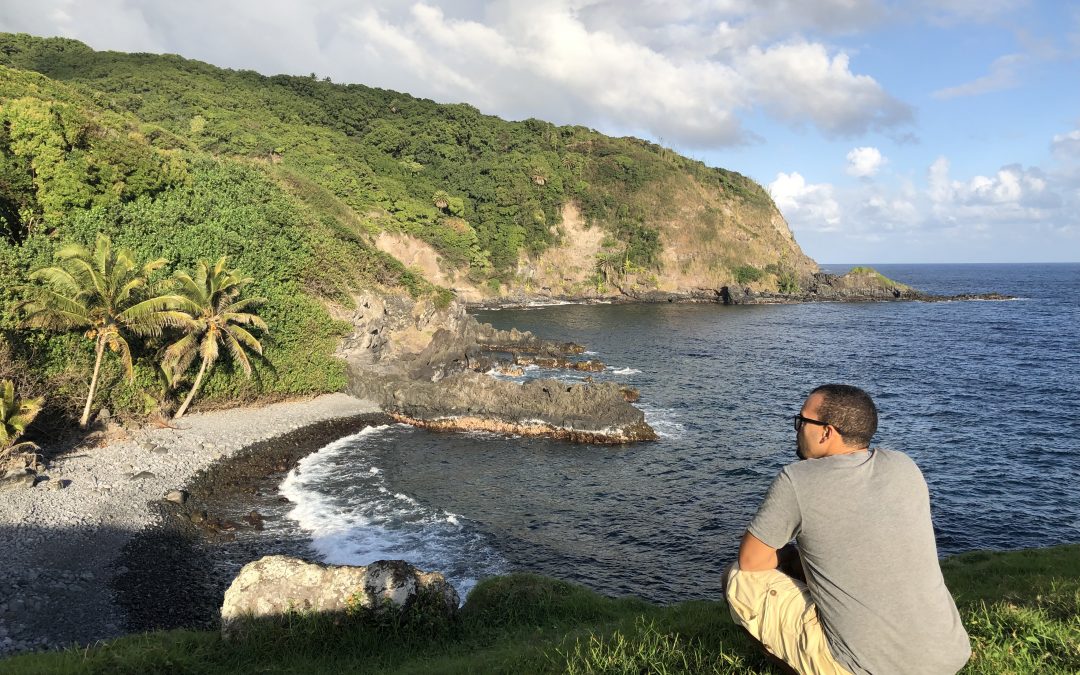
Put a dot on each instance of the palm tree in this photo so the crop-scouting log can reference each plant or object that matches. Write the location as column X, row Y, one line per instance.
column 107, row 293
column 15, row 415
column 217, row 316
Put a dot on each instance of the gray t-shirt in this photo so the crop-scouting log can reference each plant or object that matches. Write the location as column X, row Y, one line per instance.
column 862, row 521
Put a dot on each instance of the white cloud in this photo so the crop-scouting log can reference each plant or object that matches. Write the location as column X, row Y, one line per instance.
column 800, row 82
column 806, row 206
column 864, row 162
column 687, row 71
column 1067, row 145
column 1015, row 212
column 1004, row 74
column 1010, row 187
column 955, row 11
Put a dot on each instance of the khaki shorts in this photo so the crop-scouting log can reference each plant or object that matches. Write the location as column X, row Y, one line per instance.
column 778, row 612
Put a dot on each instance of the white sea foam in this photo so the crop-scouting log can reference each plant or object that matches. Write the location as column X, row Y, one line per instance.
column 664, row 421
column 354, row 518
column 624, row 371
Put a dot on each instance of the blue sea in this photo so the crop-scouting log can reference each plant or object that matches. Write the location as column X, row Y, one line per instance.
column 983, row 395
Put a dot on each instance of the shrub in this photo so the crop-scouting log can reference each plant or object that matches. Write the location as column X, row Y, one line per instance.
column 745, row 274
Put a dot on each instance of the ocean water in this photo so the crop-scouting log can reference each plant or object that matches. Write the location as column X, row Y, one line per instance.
column 984, row 396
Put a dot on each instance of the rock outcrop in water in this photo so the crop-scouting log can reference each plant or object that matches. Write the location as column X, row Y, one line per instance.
column 859, row 285
column 442, row 384
column 862, row 284
column 584, row 413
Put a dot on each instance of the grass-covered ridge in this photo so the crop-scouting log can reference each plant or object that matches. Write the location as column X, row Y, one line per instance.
column 294, row 179
column 480, row 189
column 1021, row 609
column 878, row 277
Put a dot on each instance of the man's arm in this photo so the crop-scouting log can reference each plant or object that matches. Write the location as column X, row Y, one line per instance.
column 755, row 555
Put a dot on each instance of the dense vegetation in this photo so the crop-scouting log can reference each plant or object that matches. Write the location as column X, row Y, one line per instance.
column 292, row 178
column 1021, row 610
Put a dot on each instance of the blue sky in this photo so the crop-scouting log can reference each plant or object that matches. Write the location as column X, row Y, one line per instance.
column 886, row 130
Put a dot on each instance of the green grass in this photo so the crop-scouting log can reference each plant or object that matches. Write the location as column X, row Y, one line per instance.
column 885, row 281
column 1021, row 608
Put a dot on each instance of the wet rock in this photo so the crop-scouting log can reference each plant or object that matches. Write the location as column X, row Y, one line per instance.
column 254, row 519
column 276, row 585
column 553, row 362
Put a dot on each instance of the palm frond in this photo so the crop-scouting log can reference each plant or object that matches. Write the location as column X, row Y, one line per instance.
column 153, row 266
column 245, row 338
column 92, row 280
column 180, row 355
column 190, row 289
column 126, row 290
column 237, row 352
column 39, row 315
column 48, row 301
column 246, row 319
column 125, row 356
column 102, row 253
column 69, row 251
column 241, row 305
column 59, row 278
column 141, row 311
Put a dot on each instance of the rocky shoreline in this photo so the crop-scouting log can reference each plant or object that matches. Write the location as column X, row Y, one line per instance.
column 445, row 386
column 818, row 287
column 176, row 572
column 78, row 559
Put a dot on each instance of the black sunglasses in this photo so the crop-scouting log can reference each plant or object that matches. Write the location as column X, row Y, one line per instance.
column 800, row 421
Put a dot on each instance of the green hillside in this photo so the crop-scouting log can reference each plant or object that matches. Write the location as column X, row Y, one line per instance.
column 294, row 178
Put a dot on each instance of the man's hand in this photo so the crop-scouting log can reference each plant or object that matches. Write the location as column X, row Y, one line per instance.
column 755, row 555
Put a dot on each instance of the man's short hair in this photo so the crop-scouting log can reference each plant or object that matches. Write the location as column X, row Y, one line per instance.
column 850, row 411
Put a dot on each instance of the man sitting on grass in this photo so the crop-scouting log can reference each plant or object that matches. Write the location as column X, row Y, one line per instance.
column 863, row 592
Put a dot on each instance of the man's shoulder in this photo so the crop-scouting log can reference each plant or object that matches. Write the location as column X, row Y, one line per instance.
column 900, row 460
column 881, row 458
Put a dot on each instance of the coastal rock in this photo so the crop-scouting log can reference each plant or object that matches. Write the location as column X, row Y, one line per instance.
column 515, row 341
column 177, row 497
column 552, row 362
column 277, row 585
column 255, row 520
column 18, row 479
column 858, row 285
column 587, row 412
column 438, row 377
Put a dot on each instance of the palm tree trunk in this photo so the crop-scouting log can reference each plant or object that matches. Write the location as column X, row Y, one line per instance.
column 84, row 421
column 191, row 394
